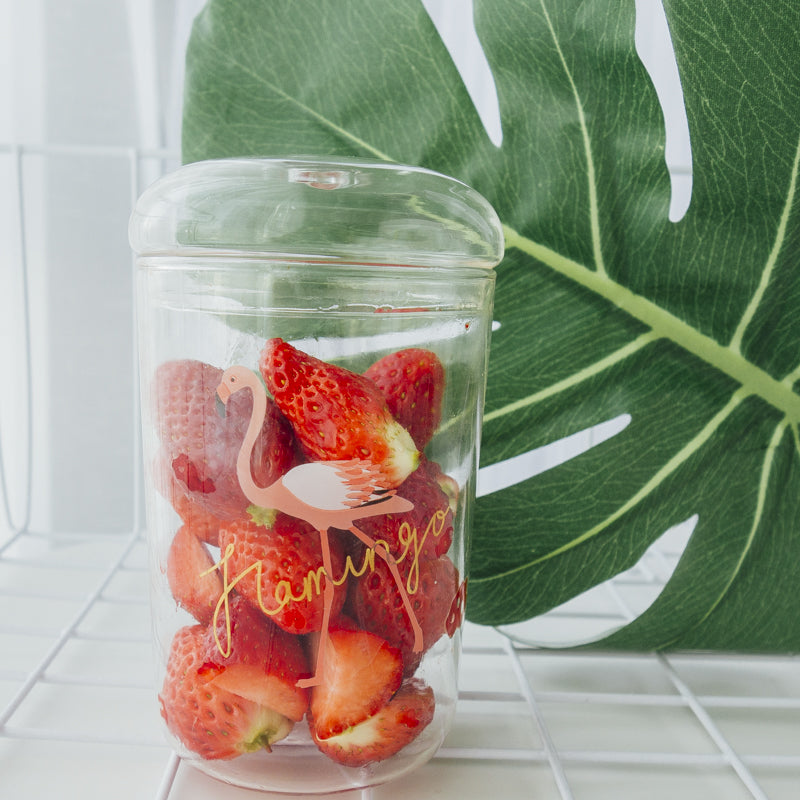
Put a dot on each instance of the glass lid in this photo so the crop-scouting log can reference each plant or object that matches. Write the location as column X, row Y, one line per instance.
column 318, row 209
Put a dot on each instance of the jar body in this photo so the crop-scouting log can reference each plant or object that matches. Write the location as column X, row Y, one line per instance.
column 392, row 554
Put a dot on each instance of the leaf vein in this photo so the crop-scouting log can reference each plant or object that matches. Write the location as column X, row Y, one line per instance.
column 259, row 78
column 772, row 258
column 576, row 378
column 674, row 463
column 758, row 515
column 594, row 215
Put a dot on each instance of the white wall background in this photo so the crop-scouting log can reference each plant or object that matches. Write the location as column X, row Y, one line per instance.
column 89, row 113
column 89, row 101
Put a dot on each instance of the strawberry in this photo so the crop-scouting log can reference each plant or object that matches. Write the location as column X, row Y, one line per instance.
column 386, row 732
column 202, row 446
column 376, row 605
column 208, row 720
column 456, row 614
column 195, row 584
column 360, row 672
column 446, row 483
column 202, row 522
column 426, row 531
column 255, row 659
column 337, row 414
column 278, row 566
column 412, row 381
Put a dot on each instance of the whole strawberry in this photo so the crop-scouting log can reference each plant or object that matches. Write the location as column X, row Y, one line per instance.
column 192, row 513
column 376, row 605
column 426, row 531
column 412, row 381
column 208, row 720
column 337, row 414
column 201, row 445
column 278, row 567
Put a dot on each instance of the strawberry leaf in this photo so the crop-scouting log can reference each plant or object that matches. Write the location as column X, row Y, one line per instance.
column 604, row 306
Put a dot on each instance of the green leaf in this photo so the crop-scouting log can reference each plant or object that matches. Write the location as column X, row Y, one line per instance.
column 605, row 306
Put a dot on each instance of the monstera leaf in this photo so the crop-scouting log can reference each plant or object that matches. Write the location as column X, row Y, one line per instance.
column 605, row 307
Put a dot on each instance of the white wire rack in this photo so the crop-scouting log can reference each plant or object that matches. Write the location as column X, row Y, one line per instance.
column 78, row 714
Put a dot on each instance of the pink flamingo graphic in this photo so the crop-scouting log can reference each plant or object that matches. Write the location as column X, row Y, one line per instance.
column 326, row 494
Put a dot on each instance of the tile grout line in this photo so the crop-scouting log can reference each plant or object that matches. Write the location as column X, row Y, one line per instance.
column 731, row 756
column 134, row 161
column 551, row 754
column 168, row 778
column 615, row 757
column 54, row 735
column 39, row 670
column 121, row 151
column 28, row 381
column 654, row 699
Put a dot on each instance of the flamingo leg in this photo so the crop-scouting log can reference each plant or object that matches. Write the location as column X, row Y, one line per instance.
column 327, row 604
column 398, row 579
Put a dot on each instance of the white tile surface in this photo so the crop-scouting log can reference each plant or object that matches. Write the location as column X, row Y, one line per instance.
column 80, row 717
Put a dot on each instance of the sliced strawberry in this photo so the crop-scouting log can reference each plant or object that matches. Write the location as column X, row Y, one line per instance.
column 254, row 658
column 337, row 414
column 207, row 719
column 201, row 445
column 386, row 732
column 279, row 568
column 377, row 606
column 412, row 381
column 360, row 672
column 194, row 582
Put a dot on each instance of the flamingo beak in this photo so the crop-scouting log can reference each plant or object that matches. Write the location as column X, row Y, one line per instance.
column 223, row 393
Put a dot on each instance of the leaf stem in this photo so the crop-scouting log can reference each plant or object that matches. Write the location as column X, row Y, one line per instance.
column 664, row 324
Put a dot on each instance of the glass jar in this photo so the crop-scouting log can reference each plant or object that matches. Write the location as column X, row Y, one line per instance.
column 313, row 339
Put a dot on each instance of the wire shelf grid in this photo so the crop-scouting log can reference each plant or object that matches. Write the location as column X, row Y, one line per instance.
column 77, row 705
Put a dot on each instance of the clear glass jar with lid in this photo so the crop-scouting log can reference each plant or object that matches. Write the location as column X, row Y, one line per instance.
column 313, row 339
